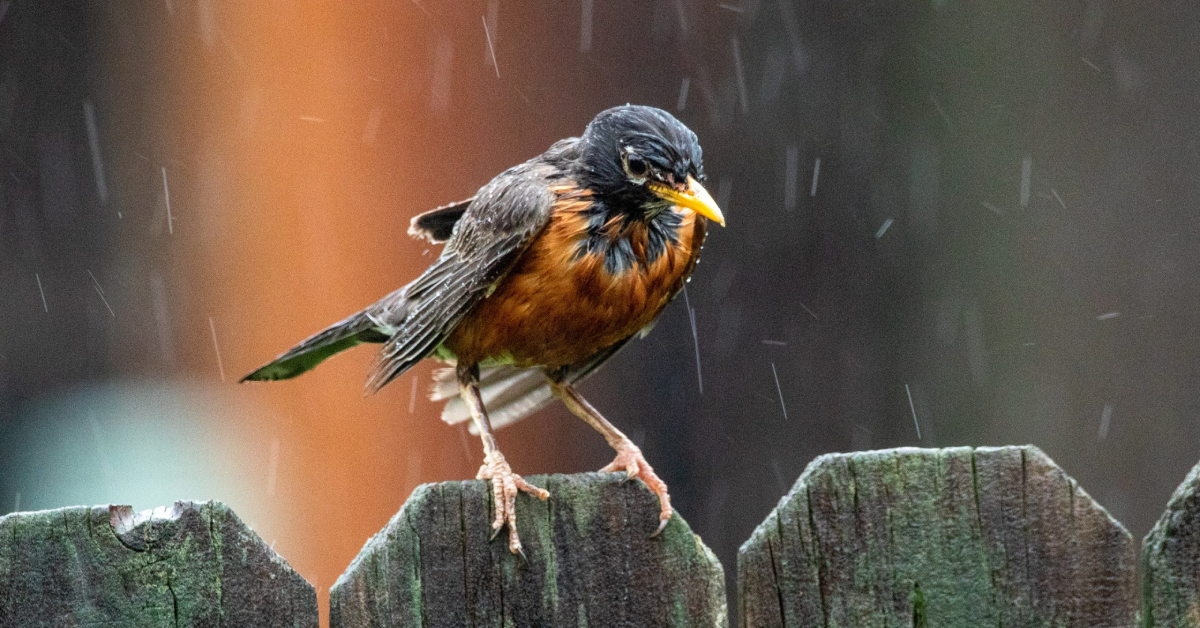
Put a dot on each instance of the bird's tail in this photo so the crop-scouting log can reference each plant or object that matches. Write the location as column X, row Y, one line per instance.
column 509, row 393
column 359, row 328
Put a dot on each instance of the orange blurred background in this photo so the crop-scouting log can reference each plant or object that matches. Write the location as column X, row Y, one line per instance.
column 999, row 247
column 314, row 132
column 253, row 170
column 320, row 128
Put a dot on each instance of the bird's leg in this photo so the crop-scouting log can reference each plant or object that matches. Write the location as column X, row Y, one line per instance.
column 505, row 483
column 629, row 457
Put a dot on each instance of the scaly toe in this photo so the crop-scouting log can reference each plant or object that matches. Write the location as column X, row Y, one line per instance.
column 631, row 472
column 629, row 458
column 524, row 485
column 505, row 487
column 626, row 461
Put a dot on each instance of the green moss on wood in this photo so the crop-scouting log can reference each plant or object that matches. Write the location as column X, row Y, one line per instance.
column 194, row 564
column 591, row 562
column 937, row 537
column 1171, row 561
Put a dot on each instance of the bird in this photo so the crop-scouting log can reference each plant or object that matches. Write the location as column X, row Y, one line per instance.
column 545, row 274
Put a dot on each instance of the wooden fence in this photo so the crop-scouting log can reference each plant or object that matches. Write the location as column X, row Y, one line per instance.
column 904, row 537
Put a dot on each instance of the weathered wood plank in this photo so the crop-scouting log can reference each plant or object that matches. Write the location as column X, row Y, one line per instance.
column 193, row 564
column 1171, row 561
column 937, row 537
column 591, row 562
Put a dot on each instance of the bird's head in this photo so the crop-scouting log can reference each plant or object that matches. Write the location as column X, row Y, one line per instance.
column 641, row 161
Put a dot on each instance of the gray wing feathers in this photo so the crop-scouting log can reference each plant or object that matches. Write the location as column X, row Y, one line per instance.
column 428, row 322
column 493, row 232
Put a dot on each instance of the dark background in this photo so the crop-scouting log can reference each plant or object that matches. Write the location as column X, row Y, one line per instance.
column 1001, row 241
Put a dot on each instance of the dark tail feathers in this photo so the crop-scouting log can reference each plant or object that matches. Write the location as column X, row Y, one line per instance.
column 357, row 329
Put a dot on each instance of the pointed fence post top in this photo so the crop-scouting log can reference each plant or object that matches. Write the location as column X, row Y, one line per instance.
column 937, row 537
column 189, row 564
column 1171, row 560
column 591, row 561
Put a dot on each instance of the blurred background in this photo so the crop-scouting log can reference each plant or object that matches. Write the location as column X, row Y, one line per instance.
column 951, row 222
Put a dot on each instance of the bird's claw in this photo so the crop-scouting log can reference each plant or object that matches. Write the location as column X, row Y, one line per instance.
column 630, row 460
column 505, row 486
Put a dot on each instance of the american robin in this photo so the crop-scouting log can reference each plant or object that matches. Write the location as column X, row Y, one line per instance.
column 546, row 273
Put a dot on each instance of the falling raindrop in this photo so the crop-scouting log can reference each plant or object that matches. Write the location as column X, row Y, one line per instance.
column 492, row 50
column 912, row 407
column 883, row 229
column 683, row 94
column 42, row 292
column 1026, row 177
column 778, row 389
column 216, row 348
column 740, row 74
column 695, row 338
column 815, row 177
column 1105, row 417
column 100, row 292
column 167, row 197
column 89, row 117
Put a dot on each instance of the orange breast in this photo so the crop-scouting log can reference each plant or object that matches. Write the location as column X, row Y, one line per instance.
column 555, row 309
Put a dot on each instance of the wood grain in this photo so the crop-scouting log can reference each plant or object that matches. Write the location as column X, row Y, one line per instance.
column 937, row 537
column 192, row 564
column 1171, row 560
column 590, row 562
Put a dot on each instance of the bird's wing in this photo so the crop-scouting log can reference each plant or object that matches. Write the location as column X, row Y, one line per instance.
column 511, row 393
column 494, row 230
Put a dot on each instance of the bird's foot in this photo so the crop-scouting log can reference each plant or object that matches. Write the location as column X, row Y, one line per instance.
column 505, row 486
column 630, row 460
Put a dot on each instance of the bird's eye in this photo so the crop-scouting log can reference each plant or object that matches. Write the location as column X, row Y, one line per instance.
column 636, row 166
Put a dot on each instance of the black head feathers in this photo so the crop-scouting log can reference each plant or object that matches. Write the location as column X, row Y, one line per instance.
column 625, row 145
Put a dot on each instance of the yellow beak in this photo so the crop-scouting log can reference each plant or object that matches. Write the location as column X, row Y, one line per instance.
column 695, row 198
